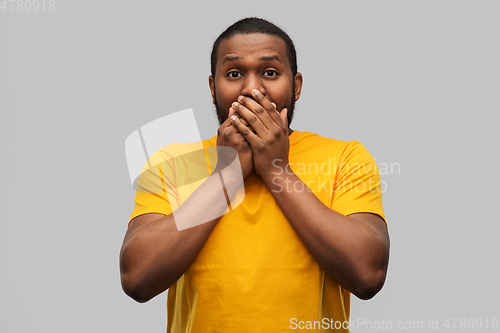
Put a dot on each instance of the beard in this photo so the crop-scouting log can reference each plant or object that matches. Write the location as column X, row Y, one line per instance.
column 222, row 114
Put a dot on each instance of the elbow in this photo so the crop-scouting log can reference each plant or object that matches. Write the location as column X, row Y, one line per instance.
column 139, row 287
column 131, row 283
column 366, row 293
column 370, row 284
column 133, row 289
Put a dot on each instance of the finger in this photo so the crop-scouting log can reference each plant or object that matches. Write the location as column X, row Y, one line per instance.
column 241, row 119
column 258, row 109
column 227, row 123
column 284, row 117
column 244, row 121
column 231, row 112
column 251, row 118
column 267, row 105
column 251, row 138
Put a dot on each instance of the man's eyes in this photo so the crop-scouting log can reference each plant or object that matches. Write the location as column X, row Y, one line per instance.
column 234, row 74
column 269, row 73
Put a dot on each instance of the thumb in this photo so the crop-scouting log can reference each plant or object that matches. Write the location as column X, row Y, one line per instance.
column 284, row 116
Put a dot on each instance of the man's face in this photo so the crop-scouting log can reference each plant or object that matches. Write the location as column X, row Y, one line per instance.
column 253, row 61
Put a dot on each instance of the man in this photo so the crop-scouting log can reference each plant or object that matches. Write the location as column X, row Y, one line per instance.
column 309, row 231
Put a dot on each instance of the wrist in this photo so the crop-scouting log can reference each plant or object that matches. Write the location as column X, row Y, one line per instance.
column 279, row 175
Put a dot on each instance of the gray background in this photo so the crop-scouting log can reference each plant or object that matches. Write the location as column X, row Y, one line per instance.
column 416, row 82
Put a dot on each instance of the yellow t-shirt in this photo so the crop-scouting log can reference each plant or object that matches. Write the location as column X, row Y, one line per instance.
column 253, row 273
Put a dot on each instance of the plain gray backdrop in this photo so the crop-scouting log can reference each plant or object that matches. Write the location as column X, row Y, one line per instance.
column 417, row 82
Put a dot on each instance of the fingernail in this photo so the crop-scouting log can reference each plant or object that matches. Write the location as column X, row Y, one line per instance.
column 256, row 93
column 240, row 98
column 233, row 118
column 235, row 104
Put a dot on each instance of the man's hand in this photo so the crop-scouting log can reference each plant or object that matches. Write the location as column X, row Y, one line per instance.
column 270, row 143
column 228, row 136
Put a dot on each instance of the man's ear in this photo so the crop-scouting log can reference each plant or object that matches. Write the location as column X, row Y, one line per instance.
column 211, row 84
column 298, row 85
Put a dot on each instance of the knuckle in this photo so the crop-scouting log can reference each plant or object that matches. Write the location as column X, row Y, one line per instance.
column 261, row 145
column 260, row 110
column 277, row 132
column 270, row 107
column 252, row 119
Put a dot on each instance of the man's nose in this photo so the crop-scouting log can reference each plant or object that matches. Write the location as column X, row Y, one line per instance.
column 252, row 82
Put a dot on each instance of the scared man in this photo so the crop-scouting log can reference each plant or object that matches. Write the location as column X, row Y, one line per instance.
column 309, row 232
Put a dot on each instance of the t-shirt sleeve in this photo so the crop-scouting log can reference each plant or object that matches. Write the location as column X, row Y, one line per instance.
column 358, row 187
column 170, row 176
column 155, row 191
column 150, row 203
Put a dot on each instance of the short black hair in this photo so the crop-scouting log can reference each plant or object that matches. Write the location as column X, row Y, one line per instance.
column 255, row 25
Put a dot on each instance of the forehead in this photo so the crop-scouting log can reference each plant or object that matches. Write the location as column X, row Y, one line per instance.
column 251, row 46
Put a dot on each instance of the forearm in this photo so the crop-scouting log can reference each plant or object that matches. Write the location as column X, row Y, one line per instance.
column 350, row 252
column 156, row 254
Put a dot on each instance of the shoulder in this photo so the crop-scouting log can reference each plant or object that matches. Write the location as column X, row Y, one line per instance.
column 317, row 144
column 178, row 149
column 313, row 139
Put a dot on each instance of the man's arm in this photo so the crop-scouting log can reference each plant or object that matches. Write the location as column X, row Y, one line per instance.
column 353, row 250
column 155, row 253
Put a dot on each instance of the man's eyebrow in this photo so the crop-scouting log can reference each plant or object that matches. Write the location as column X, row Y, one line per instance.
column 270, row 58
column 264, row 58
column 231, row 58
